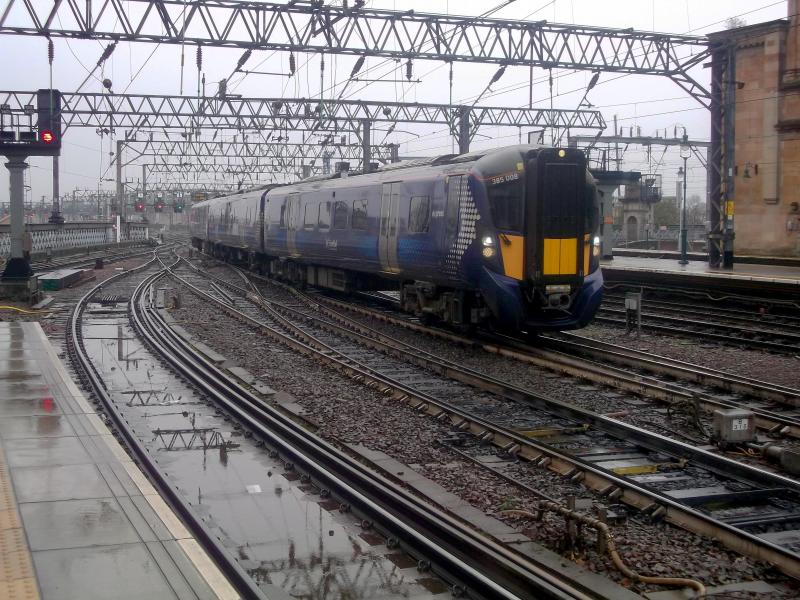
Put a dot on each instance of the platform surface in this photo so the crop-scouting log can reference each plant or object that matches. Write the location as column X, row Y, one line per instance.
column 784, row 275
column 78, row 519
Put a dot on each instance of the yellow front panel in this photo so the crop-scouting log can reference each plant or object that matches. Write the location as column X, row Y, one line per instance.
column 569, row 257
column 560, row 256
column 512, row 247
column 551, row 265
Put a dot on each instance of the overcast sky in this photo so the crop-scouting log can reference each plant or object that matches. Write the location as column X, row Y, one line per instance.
column 646, row 102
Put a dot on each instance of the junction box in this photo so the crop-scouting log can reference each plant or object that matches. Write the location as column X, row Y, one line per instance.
column 734, row 426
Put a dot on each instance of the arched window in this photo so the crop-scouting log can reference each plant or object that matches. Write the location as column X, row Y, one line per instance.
column 632, row 229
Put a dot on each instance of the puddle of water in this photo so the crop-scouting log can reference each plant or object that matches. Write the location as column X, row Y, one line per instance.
column 282, row 531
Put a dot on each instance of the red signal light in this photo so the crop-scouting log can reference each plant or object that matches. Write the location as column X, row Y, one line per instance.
column 47, row 136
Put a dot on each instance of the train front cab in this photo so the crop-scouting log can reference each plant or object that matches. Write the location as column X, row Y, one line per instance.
column 546, row 275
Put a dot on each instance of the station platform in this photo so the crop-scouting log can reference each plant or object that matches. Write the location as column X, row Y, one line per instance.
column 78, row 519
column 775, row 281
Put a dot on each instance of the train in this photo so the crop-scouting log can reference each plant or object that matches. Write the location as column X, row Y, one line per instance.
column 503, row 238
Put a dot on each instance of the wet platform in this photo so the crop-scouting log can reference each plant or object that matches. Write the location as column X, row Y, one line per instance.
column 78, row 519
column 770, row 279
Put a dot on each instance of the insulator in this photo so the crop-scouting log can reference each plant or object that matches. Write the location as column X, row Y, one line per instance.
column 243, row 59
column 409, row 70
column 199, row 57
column 51, row 51
column 292, row 65
column 498, row 74
column 357, row 66
column 106, row 53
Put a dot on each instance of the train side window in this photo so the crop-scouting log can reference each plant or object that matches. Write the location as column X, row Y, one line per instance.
column 419, row 214
column 453, row 200
column 359, row 220
column 283, row 219
column 340, row 215
column 310, row 216
column 324, row 216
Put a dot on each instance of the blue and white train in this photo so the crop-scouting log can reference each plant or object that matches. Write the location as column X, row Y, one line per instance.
column 503, row 237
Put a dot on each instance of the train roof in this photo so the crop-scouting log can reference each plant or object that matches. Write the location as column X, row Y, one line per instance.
column 385, row 172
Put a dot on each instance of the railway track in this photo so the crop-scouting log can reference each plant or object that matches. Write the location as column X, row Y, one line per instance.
column 643, row 374
column 88, row 260
column 756, row 318
column 126, row 284
column 474, row 565
column 773, row 340
column 685, row 485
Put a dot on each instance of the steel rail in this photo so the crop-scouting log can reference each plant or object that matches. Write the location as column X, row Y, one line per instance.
column 729, row 382
column 560, row 361
column 563, row 359
column 422, row 530
column 724, row 322
column 595, row 478
column 671, row 329
column 90, row 377
column 86, row 260
column 730, row 315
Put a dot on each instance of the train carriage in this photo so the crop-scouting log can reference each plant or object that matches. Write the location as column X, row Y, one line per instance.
column 505, row 236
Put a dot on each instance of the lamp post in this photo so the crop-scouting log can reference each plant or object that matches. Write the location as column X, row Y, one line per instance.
column 685, row 152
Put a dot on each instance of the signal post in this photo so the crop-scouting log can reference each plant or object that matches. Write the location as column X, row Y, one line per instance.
column 20, row 137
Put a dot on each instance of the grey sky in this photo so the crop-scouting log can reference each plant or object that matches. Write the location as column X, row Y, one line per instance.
column 650, row 103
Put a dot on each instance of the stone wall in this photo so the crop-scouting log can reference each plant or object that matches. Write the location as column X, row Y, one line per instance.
column 767, row 138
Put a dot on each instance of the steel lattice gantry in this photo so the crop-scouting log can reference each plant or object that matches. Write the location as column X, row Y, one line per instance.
column 314, row 27
column 190, row 113
column 255, row 149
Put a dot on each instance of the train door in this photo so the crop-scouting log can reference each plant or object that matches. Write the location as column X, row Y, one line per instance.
column 387, row 238
column 292, row 222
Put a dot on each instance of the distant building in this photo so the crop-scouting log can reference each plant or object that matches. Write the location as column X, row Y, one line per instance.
column 766, row 135
column 634, row 208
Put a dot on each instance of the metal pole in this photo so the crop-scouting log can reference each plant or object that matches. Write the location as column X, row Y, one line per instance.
column 463, row 130
column 55, row 215
column 120, row 188
column 684, row 260
column 144, row 189
column 17, row 266
column 366, row 150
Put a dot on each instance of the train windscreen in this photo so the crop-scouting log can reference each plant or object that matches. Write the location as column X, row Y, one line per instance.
column 506, row 201
column 563, row 198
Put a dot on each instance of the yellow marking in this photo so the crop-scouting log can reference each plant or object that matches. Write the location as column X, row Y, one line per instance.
column 729, row 208
column 569, row 256
column 17, row 577
column 636, row 470
column 512, row 248
column 552, row 255
column 560, row 256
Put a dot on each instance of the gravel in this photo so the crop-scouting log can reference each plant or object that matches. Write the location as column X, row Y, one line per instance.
column 773, row 368
column 348, row 412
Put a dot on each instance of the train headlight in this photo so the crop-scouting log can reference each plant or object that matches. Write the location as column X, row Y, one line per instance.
column 596, row 246
column 488, row 240
column 488, row 252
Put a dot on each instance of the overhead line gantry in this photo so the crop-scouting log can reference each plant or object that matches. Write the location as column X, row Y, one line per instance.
column 316, row 27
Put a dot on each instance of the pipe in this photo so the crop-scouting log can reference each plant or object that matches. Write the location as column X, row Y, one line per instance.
column 602, row 528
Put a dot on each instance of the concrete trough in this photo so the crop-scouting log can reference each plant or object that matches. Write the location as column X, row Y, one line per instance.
column 57, row 280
